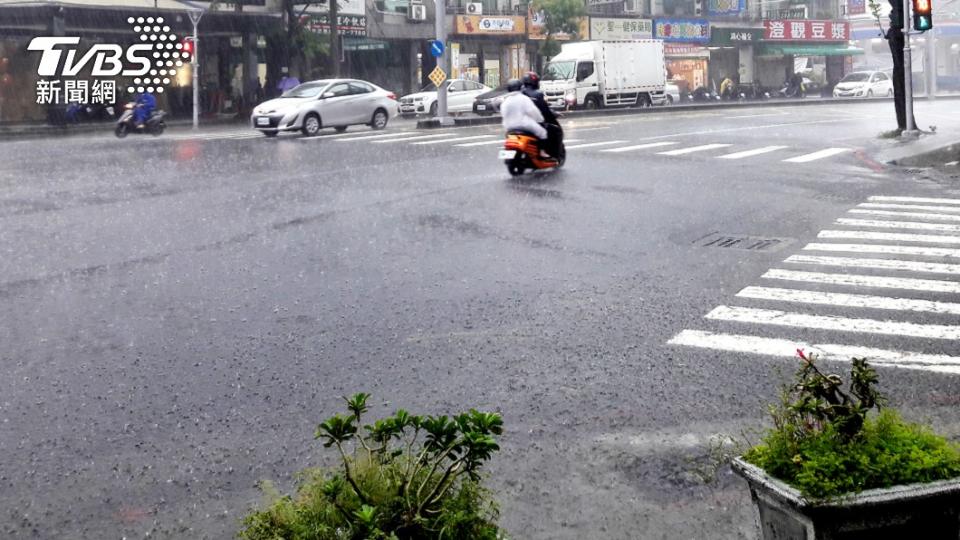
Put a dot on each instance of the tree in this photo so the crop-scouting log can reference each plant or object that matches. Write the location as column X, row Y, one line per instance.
column 559, row 17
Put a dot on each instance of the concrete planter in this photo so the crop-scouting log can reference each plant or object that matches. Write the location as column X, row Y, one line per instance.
column 928, row 511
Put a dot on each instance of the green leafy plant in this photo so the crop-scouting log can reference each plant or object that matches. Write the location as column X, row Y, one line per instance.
column 401, row 477
column 559, row 17
column 826, row 443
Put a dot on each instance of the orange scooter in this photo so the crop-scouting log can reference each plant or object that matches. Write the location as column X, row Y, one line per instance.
column 521, row 151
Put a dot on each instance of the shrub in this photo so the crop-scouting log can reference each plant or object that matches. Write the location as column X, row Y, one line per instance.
column 825, row 443
column 402, row 477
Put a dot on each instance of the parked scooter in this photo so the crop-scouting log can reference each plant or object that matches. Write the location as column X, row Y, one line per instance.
column 126, row 124
column 521, row 152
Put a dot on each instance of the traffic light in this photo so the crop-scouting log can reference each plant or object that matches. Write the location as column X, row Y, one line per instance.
column 922, row 15
column 186, row 45
column 896, row 14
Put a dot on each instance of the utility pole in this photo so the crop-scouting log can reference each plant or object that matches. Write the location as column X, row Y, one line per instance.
column 195, row 15
column 443, row 61
column 334, row 13
column 911, row 130
column 930, row 65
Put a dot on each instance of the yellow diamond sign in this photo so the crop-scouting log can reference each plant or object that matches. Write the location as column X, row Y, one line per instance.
column 437, row 76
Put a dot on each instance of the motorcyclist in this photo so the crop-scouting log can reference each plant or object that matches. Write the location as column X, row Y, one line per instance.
column 520, row 114
column 531, row 89
column 144, row 104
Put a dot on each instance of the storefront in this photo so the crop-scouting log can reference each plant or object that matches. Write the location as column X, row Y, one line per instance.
column 817, row 50
column 488, row 49
column 687, row 57
column 732, row 53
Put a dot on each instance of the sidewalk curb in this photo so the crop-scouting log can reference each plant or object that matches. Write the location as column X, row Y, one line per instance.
column 931, row 154
column 433, row 123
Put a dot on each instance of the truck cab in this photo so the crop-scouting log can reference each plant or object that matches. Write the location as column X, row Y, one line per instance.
column 570, row 79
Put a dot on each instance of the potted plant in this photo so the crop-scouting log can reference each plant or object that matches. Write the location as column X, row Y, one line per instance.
column 839, row 465
column 401, row 477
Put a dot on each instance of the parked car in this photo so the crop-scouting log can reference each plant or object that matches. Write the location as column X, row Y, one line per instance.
column 864, row 84
column 335, row 103
column 460, row 96
column 489, row 102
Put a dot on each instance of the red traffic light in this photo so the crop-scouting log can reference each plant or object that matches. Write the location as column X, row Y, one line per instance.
column 921, row 7
column 186, row 45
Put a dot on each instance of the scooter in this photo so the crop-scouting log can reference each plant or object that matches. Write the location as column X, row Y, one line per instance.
column 521, row 151
column 126, row 125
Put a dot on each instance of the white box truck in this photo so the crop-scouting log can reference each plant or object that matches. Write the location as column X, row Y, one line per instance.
column 594, row 74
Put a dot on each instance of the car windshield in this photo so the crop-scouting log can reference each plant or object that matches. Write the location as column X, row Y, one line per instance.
column 558, row 71
column 306, row 90
column 856, row 77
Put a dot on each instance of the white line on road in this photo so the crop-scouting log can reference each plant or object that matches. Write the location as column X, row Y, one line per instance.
column 856, row 280
column 589, row 145
column 692, row 149
column 881, row 198
column 444, row 141
column 911, row 207
column 639, row 147
column 883, row 264
column 892, row 213
column 825, row 351
column 749, row 153
column 581, row 130
column 817, row 155
column 885, row 249
column 500, row 141
column 848, row 300
column 367, row 137
column 826, row 322
column 407, row 139
column 755, row 115
column 898, row 237
column 881, row 224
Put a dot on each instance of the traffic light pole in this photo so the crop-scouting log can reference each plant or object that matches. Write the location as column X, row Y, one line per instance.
column 908, row 71
column 440, row 14
column 195, row 16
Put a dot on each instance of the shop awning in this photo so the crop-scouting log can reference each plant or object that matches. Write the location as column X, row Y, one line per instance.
column 364, row 44
column 817, row 49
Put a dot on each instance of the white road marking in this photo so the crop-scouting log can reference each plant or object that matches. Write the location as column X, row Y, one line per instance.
column 693, row 149
column 899, row 237
column 500, row 141
column 589, row 145
column 405, row 139
column 826, row 322
column 639, row 146
column 749, row 153
column 883, row 224
column 910, row 207
column 817, row 155
column 848, row 300
column 824, row 351
column 885, row 249
column 884, row 264
column 755, row 115
column 929, row 200
column 856, row 280
column 400, row 134
column 893, row 213
column 581, row 130
column 444, row 141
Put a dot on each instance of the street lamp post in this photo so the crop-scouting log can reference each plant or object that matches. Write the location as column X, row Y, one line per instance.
column 443, row 61
column 195, row 15
column 908, row 71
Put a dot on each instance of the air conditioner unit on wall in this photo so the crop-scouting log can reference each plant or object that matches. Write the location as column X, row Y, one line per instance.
column 631, row 6
column 475, row 8
column 418, row 12
column 698, row 7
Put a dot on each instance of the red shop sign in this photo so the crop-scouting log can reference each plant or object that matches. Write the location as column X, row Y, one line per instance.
column 801, row 30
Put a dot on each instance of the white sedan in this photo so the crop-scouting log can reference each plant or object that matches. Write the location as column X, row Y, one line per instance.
column 460, row 96
column 864, row 84
column 335, row 103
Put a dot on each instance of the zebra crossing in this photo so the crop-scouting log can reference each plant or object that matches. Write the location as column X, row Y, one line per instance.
column 883, row 281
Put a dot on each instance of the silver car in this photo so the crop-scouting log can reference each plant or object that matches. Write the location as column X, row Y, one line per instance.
column 335, row 103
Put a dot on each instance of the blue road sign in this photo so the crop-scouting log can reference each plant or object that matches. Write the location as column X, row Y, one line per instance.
column 436, row 48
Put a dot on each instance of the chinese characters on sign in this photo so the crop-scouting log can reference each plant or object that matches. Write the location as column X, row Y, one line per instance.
column 347, row 25
column 806, row 30
column 101, row 92
column 682, row 30
column 482, row 24
column 856, row 7
column 620, row 29
column 726, row 7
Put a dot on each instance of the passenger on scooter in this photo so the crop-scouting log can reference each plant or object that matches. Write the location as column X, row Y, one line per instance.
column 144, row 104
column 520, row 114
column 531, row 89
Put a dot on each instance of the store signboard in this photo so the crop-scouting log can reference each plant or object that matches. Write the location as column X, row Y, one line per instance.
column 347, row 25
column 726, row 7
column 856, row 7
column 685, row 50
column 620, row 29
column 490, row 24
column 344, row 7
column 793, row 30
column 735, row 36
column 682, row 30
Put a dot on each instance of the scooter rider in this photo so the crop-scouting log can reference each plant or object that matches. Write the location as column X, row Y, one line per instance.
column 144, row 105
column 531, row 89
column 520, row 114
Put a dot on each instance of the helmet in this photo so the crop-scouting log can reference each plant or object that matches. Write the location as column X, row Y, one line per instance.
column 531, row 80
column 514, row 85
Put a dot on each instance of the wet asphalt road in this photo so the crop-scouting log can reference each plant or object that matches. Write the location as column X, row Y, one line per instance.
column 179, row 313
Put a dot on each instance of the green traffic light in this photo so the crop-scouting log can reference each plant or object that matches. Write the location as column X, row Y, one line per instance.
column 922, row 22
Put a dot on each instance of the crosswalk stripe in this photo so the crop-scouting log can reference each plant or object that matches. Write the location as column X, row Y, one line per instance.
column 930, row 200
column 848, row 300
column 817, row 155
column 444, row 141
column 883, row 264
column 893, row 213
column 856, row 280
column 826, row 322
column 885, row 249
column 693, row 149
column 407, row 139
column 883, row 224
column 824, row 351
column 400, row 134
column 590, row 145
column 638, row 147
column 911, row 207
column 749, row 153
column 901, row 237
column 500, row 141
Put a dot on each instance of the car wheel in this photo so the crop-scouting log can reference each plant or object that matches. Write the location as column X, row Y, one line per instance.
column 433, row 109
column 379, row 120
column 340, row 129
column 270, row 133
column 869, row 93
column 311, row 125
column 669, row 99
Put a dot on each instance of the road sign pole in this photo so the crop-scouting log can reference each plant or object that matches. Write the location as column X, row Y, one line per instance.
column 440, row 14
column 195, row 15
column 908, row 70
